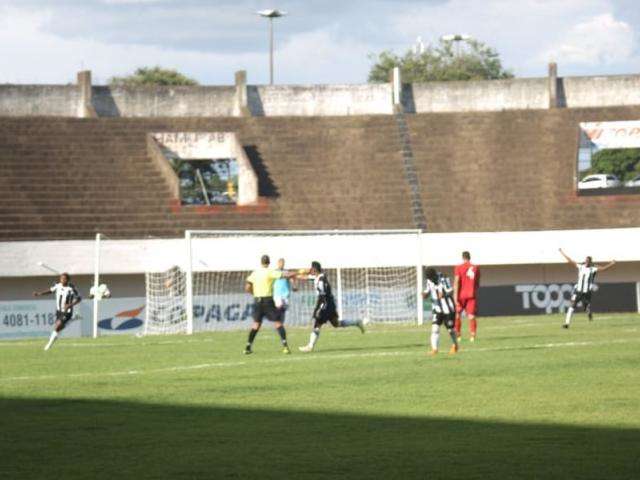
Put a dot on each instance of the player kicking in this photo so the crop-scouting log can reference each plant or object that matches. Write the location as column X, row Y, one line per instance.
column 466, row 283
column 582, row 290
column 443, row 307
column 67, row 297
column 325, row 309
column 260, row 285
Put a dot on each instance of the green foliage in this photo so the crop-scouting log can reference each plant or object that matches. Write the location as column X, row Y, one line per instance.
column 153, row 76
column 621, row 162
column 441, row 62
column 526, row 400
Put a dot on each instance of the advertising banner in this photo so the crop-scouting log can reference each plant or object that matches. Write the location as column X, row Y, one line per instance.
column 538, row 299
column 604, row 135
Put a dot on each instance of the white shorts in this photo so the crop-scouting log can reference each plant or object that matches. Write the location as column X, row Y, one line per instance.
column 281, row 302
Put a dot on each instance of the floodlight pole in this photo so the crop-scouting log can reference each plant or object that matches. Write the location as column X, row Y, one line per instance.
column 271, row 14
column 270, row 50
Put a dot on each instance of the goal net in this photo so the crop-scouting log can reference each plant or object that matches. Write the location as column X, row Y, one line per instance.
column 375, row 276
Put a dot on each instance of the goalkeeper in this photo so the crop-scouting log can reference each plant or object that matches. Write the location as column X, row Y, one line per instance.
column 325, row 309
column 282, row 288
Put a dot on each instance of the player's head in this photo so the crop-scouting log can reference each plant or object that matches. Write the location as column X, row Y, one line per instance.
column 316, row 267
column 265, row 260
column 588, row 261
column 431, row 274
column 281, row 263
column 64, row 278
column 466, row 256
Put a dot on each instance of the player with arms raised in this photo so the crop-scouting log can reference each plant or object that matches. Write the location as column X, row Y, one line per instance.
column 443, row 307
column 325, row 309
column 67, row 297
column 465, row 291
column 582, row 290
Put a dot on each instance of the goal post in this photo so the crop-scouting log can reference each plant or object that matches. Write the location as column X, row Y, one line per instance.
column 376, row 275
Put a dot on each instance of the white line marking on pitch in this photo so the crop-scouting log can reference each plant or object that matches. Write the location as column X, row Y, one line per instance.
column 311, row 357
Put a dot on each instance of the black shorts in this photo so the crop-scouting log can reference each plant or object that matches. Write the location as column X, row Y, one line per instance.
column 64, row 317
column 263, row 307
column 448, row 319
column 324, row 313
column 581, row 297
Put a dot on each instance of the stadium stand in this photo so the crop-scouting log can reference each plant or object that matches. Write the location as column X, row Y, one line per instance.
column 511, row 171
column 65, row 178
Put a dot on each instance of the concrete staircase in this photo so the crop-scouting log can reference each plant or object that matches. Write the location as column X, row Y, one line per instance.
column 512, row 170
column 410, row 174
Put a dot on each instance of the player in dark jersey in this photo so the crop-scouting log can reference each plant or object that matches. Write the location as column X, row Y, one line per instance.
column 582, row 290
column 67, row 297
column 325, row 310
column 439, row 288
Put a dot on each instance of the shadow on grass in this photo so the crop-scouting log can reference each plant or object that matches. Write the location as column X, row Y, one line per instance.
column 110, row 439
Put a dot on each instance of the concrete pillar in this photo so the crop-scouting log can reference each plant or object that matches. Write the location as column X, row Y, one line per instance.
column 553, row 85
column 241, row 107
column 85, row 107
column 396, row 89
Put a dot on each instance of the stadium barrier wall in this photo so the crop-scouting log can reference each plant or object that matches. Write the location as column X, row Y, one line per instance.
column 522, row 273
column 20, row 259
column 318, row 100
column 124, row 315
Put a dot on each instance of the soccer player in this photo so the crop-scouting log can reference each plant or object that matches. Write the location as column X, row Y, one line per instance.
column 67, row 297
column 582, row 290
column 282, row 288
column 260, row 285
column 465, row 291
column 443, row 307
column 325, row 309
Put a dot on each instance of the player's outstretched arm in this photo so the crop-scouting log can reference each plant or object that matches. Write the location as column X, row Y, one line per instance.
column 607, row 266
column 568, row 258
column 43, row 292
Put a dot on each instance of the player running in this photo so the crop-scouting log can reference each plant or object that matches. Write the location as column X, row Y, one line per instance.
column 443, row 307
column 260, row 285
column 67, row 297
column 465, row 291
column 325, row 309
column 282, row 288
column 582, row 290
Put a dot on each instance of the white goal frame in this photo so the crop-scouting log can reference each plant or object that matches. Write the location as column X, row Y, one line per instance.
column 368, row 259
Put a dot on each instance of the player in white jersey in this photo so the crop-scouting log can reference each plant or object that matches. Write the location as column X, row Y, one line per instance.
column 439, row 288
column 325, row 310
column 67, row 297
column 587, row 272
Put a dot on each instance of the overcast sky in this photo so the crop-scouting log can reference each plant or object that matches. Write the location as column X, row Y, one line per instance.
column 321, row 41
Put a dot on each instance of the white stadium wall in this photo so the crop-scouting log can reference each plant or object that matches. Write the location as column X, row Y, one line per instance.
column 522, row 272
column 318, row 100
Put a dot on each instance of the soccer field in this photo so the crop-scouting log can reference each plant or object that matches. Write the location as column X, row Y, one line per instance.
column 527, row 400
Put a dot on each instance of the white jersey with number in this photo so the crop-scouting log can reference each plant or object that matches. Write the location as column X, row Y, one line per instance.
column 64, row 295
column 586, row 277
column 441, row 295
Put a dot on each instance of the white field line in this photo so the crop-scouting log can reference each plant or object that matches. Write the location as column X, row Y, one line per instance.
column 310, row 357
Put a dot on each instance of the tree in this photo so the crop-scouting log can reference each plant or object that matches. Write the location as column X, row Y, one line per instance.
column 624, row 163
column 153, row 76
column 441, row 62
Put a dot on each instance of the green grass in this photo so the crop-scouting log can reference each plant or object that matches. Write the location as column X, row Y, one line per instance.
column 527, row 400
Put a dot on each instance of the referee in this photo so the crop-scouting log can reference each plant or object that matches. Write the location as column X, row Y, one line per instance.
column 260, row 285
